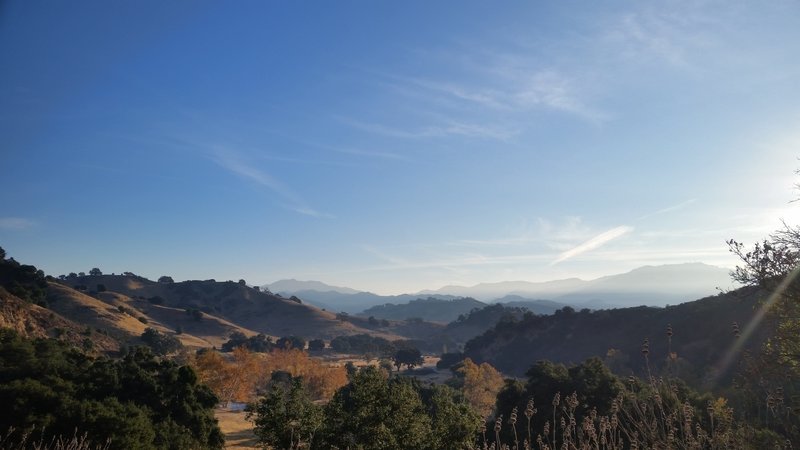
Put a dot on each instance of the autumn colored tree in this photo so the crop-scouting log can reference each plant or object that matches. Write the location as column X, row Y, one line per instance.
column 231, row 380
column 481, row 385
column 320, row 380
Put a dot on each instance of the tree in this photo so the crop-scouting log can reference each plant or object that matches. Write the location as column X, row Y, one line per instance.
column 316, row 344
column 134, row 402
column 231, row 380
column 454, row 424
column 165, row 279
column 160, row 343
column 101, row 288
column 409, row 356
column 242, row 282
column 291, row 342
column 592, row 383
column 376, row 412
column 773, row 266
column 95, row 272
column 285, row 417
column 320, row 380
column 481, row 385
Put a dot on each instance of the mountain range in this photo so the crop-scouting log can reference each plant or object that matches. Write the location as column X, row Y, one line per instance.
column 647, row 285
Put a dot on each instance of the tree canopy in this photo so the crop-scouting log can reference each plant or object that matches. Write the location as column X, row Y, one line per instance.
column 136, row 402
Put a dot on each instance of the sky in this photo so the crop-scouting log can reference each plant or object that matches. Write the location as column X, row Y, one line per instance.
column 394, row 146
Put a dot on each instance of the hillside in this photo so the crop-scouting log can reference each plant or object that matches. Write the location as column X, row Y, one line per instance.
column 702, row 334
column 430, row 309
column 34, row 321
column 534, row 305
column 212, row 310
column 342, row 299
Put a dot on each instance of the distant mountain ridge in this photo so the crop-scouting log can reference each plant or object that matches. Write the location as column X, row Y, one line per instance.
column 292, row 285
column 646, row 285
column 430, row 309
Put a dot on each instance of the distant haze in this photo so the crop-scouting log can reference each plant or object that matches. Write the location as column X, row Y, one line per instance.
column 648, row 285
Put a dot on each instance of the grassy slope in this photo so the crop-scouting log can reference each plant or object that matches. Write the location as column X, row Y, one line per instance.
column 226, row 307
column 34, row 321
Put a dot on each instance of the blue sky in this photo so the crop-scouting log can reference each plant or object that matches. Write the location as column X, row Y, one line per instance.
column 394, row 146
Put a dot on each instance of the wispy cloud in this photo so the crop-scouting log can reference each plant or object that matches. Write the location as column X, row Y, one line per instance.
column 371, row 153
column 511, row 86
column 593, row 243
column 240, row 166
column 672, row 208
column 16, row 223
column 447, row 128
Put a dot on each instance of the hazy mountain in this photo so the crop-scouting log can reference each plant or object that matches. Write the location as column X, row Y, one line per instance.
column 653, row 285
column 648, row 285
column 292, row 286
column 346, row 300
column 536, row 306
column 430, row 309
column 492, row 291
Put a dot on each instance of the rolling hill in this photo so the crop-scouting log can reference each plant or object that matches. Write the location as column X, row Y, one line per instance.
column 430, row 309
column 223, row 307
column 702, row 335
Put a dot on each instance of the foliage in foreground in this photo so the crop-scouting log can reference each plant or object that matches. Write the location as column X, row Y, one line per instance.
column 373, row 411
column 136, row 402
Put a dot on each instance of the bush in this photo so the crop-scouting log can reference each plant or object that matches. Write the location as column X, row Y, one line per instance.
column 137, row 402
column 160, row 343
column 316, row 344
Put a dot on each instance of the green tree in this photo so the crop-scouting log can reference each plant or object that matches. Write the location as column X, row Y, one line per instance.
column 773, row 266
column 160, row 343
column 165, row 279
column 291, row 342
column 454, row 424
column 285, row 417
column 594, row 385
column 409, row 356
column 376, row 412
column 95, row 272
column 136, row 402
column 316, row 344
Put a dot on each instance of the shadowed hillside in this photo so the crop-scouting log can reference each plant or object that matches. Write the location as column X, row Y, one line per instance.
column 702, row 333
column 430, row 309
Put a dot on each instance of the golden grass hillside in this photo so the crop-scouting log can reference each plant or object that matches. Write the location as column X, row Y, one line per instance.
column 225, row 307
column 34, row 321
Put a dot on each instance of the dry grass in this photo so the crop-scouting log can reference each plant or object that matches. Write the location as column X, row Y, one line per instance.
column 14, row 440
column 237, row 430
